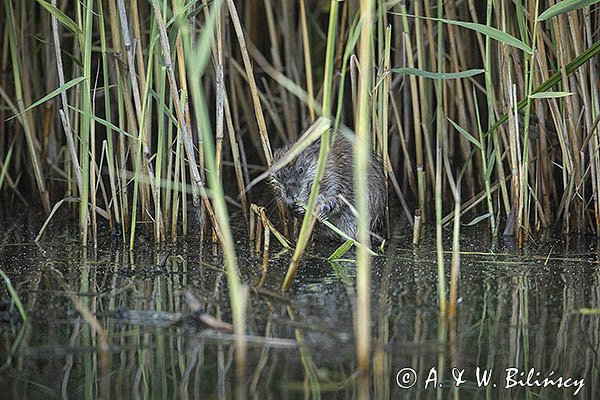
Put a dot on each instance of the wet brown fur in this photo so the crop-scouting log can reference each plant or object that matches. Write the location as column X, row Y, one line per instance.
column 292, row 183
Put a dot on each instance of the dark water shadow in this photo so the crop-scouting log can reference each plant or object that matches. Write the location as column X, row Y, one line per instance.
column 523, row 316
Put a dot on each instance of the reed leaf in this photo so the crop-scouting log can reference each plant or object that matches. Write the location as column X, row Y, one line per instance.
column 486, row 30
column 550, row 95
column 6, row 163
column 68, row 85
column 563, row 7
column 438, row 75
column 478, row 219
column 341, row 250
column 466, row 134
column 61, row 16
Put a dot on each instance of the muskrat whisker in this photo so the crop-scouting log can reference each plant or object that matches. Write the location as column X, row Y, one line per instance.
column 270, row 209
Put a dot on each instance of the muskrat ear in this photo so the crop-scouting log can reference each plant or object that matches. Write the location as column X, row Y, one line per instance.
column 280, row 152
column 277, row 154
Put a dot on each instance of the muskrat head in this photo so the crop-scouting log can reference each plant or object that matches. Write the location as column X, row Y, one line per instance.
column 292, row 182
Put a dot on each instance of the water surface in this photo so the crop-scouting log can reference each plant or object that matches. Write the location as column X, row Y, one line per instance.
column 520, row 312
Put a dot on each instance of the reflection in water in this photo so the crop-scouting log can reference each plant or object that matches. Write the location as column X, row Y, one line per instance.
column 516, row 312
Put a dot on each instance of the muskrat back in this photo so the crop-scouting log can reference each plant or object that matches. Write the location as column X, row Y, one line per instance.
column 335, row 202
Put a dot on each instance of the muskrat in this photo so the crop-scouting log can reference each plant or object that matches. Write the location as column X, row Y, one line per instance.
column 335, row 202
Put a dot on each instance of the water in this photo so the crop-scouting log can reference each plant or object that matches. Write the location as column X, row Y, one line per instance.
column 517, row 313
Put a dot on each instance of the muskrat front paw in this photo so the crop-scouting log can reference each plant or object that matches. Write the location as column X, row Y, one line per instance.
column 325, row 210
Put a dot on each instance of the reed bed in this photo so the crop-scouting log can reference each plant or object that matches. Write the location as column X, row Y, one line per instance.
column 89, row 111
column 146, row 117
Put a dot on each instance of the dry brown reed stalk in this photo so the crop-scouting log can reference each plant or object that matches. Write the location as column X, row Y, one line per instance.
column 383, row 128
column 416, row 110
column 272, row 28
column 260, row 119
column 307, row 60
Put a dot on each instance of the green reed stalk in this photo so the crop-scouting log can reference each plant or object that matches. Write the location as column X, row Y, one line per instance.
column 197, row 59
column 177, row 182
column 4, row 164
column 181, row 111
column 594, row 144
column 439, row 85
column 93, row 177
column 307, row 62
column 14, row 296
column 85, row 46
column 162, row 136
column 489, row 89
column 110, row 155
column 136, row 184
column 321, row 125
column 183, row 196
column 523, row 213
column 122, row 95
column 353, row 35
column 361, row 168
column 383, row 112
column 172, row 146
column 455, row 265
column 26, row 120
column 330, row 58
column 140, row 161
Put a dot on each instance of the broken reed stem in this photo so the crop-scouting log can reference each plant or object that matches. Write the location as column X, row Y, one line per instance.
column 266, row 243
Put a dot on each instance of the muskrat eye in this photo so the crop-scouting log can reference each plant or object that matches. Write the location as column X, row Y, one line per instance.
column 300, row 170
